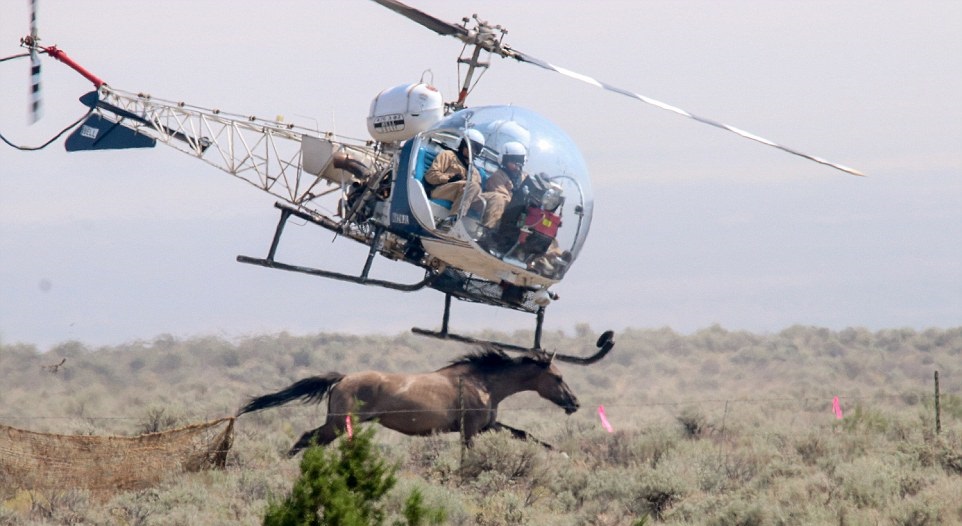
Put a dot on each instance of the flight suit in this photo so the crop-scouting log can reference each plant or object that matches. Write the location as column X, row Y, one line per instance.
column 497, row 194
column 448, row 174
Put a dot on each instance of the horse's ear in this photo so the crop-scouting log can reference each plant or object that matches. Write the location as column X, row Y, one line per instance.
column 541, row 356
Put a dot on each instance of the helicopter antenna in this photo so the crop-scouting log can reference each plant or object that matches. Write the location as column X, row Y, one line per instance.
column 427, row 73
column 482, row 37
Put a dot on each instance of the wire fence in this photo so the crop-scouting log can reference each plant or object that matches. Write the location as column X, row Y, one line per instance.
column 879, row 401
column 42, row 460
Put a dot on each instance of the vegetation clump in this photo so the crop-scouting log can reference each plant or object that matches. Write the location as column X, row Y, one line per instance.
column 344, row 487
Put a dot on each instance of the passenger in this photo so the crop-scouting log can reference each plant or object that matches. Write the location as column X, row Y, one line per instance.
column 515, row 202
column 449, row 173
column 500, row 185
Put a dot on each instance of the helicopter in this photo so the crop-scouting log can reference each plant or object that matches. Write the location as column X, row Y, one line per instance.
column 373, row 191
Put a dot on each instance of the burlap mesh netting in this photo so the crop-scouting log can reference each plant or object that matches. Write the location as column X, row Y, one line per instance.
column 105, row 465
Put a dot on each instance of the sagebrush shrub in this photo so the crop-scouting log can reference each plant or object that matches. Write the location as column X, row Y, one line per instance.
column 345, row 488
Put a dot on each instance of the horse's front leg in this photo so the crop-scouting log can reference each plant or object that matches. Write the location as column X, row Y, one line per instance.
column 518, row 433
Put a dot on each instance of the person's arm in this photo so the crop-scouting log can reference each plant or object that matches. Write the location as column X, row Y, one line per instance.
column 441, row 170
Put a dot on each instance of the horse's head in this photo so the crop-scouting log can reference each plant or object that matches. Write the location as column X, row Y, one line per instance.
column 551, row 386
column 506, row 376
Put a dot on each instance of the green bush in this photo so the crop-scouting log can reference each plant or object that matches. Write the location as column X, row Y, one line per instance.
column 345, row 488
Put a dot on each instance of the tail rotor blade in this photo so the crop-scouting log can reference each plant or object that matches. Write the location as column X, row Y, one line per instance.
column 36, row 101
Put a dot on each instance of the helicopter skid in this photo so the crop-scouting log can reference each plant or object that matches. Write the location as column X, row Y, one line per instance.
column 404, row 287
column 605, row 342
column 269, row 262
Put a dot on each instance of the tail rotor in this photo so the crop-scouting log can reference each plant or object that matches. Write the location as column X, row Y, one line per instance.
column 35, row 109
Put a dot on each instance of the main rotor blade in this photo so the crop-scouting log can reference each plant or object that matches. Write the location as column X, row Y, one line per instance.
column 434, row 24
column 647, row 100
column 444, row 28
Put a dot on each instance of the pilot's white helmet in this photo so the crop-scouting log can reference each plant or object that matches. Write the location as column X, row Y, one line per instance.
column 476, row 138
column 513, row 151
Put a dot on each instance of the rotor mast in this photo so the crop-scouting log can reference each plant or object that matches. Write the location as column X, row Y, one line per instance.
column 484, row 38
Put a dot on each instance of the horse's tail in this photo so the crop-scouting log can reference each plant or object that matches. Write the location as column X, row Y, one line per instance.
column 311, row 389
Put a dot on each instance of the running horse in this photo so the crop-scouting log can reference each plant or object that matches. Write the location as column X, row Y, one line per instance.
column 464, row 393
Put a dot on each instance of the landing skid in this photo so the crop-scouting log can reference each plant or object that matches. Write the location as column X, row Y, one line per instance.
column 286, row 212
column 362, row 280
column 605, row 342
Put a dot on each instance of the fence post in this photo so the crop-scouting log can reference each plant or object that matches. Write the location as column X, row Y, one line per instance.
column 724, row 417
column 461, row 424
column 938, row 407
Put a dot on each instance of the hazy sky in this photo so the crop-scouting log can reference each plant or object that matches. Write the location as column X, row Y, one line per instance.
column 693, row 226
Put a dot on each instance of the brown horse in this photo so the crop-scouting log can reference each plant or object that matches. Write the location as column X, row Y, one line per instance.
column 467, row 391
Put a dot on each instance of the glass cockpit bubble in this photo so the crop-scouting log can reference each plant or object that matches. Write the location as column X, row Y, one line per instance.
column 552, row 158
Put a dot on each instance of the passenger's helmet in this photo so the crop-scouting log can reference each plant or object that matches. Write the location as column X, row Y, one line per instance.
column 513, row 151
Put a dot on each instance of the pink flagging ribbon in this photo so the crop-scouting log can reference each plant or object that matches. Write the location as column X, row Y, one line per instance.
column 350, row 429
column 604, row 419
column 837, row 408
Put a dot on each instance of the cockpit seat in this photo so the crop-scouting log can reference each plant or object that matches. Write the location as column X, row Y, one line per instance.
column 425, row 157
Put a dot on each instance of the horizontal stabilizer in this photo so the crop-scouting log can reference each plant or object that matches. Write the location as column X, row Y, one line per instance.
column 98, row 133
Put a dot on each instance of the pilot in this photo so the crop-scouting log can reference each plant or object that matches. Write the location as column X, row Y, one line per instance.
column 503, row 192
column 449, row 173
column 501, row 185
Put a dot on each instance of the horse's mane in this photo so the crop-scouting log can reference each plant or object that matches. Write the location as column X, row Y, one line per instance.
column 487, row 359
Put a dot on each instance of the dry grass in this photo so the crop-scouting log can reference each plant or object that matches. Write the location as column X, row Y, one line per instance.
column 716, row 427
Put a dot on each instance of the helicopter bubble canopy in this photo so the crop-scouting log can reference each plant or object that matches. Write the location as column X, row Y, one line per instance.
column 554, row 161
